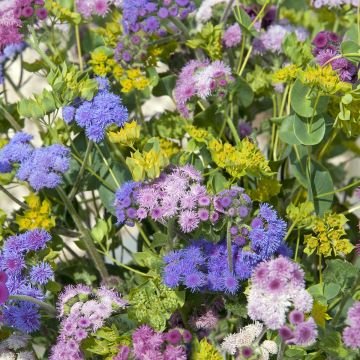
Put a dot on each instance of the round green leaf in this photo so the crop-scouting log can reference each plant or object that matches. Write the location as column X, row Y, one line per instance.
column 303, row 102
column 307, row 132
column 286, row 131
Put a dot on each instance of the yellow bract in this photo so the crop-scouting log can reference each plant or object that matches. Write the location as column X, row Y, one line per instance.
column 126, row 135
column 286, row 74
column 327, row 238
column 266, row 188
column 206, row 351
column 37, row 216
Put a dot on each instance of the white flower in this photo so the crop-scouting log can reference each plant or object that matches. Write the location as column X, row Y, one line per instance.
column 7, row 355
column 17, row 341
column 270, row 346
column 25, row 355
column 245, row 337
column 204, row 12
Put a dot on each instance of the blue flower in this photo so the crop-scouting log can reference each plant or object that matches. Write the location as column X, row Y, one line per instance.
column 25, row 317
column 41, row 273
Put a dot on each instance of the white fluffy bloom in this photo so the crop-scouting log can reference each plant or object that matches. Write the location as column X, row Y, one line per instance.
column 17, row 341
column 7, row 355
column 204, row 12
column 245, row 337
column 270, row 346
column 333, row 3
column 25, row 355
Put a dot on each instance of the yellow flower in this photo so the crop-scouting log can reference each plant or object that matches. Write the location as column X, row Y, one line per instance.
column 285, row 74
column 133, row 73
column 37, row 216
column 126, row 85
column 205, row 351
column 327, row 238
column 126, row 135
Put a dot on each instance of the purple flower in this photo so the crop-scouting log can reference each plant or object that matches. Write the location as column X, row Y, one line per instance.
column 305, row 333
column 351, row 333
column 36, row 239
column 41, row 273
column 232, row 36
column 4, row 293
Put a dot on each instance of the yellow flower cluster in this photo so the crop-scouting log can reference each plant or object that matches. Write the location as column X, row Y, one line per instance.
column 205, row 351
column 126, row 135
column 169, row 147
column 266, row 188
column 329, row 231
column 286, row 74
column 103, row 63
column 148, row 163
column 111, row 31
column 245, row 159
column 62, row 13
column 134, row 79
column 324, row 78
column 37, row 216
column 198, row 134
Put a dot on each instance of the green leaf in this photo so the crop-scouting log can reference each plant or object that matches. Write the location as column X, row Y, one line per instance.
column 165, row 86
column 286, row 131
column 331, row 290
column 348, row 47
column 309, row 132
column 34, row 66
column 303, row 100
column 340, row 272
column 320, row 182
column 243, row 93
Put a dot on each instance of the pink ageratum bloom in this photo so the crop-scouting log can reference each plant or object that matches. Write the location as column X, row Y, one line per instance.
column 88, row 8
column 200, row 79
column 277, row 286
column 232, row 36
column 351, row 333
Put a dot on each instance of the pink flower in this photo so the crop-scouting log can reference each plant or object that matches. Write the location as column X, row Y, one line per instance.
column 232, row 36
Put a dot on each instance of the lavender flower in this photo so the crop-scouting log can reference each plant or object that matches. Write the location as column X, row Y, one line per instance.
column 41, row 273
column 276, row 285
column 333, row 3
column 147, row 16
column 97, row 115
column 83, row 312
column 232, row 36
column 200, row 79
column 351, row 332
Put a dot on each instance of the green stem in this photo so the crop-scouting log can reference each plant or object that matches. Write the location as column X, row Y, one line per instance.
column 13, row 198
column 297, row 245
column 78, row 42
column 143, row 234
column 228, row 244
column 245, row 60
column 178, row 23
column 88, row 241
column 11, row 120
column 93, row 173
column 227, row 11
column 291, row 228
column 351, row 210
column 344, row 300
column 79, row 178
column 357, row 182
column 327, row 144
column 233, row 130
column 107, row 164
column 320, row 270
column 35, row 45
column 47, row 307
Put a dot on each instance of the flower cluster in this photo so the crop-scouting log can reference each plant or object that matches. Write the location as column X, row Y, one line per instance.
column 299, row 331
column 23, row 279
column 276, row 286
column 9, row 25
column 41, row 167
column 97, row 115
column 9, row 53
column 132, row 49
column 178, row 195
column 327, row 50
column 272, row 39
column 328, row 239
column 83, row 312
column 232, row 36
column 88, row 8
column 201, row 79
column 152, row 345
column 243, row 343
column 351, row 332
column 147, row 16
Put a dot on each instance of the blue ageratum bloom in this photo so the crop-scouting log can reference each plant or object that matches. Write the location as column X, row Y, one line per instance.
column 41, row 273
column 41, row 167
column 97, row 115
column 22, row 279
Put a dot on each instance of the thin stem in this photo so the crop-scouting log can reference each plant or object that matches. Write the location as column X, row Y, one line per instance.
column 227, row 11
column 291, row 228
column 143, row 234
column 13, row 198
column 181, row 27
column 88, row 241
column 35, row 45
column 259, row 14
column 320, row 270
column 233, row 130
column 107, row 164
column 81, row 171
column 357, row 182
column 297, row 245
column 245, row 60
column 11, row 120
column 47, row 307
column 78, row 42
column 327, row 144
column 351, row 210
